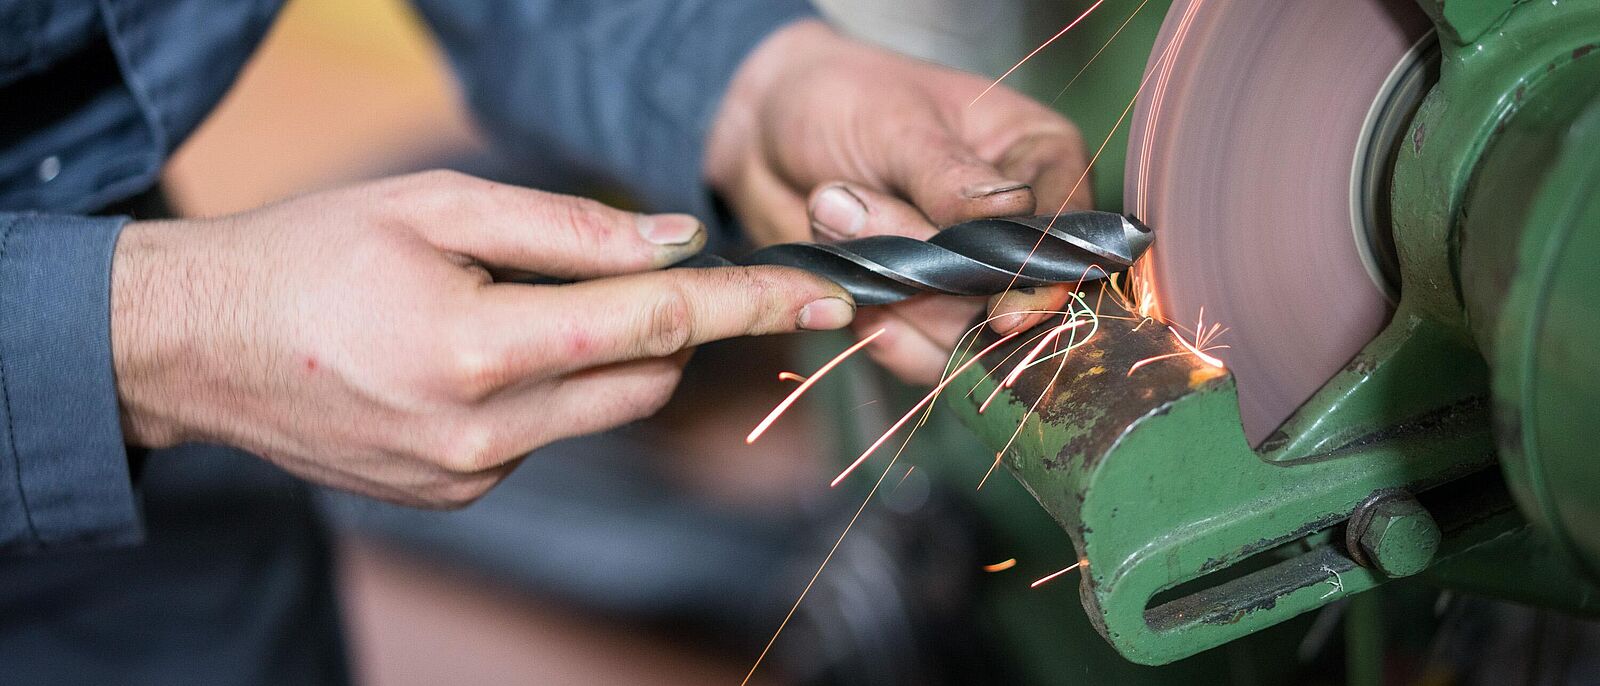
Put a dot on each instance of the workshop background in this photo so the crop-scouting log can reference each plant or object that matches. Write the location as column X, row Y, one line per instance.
column 668, row 552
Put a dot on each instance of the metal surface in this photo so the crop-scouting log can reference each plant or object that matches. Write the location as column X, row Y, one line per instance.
column 977, row 258
column 1530, row 261
column 1243, row 144
column 1392, row 533
column 1188, row 536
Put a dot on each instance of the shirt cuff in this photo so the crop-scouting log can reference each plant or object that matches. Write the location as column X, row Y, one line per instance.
column 64, row 478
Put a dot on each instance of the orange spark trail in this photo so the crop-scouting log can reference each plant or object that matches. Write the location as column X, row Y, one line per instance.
column 1045, row 580
column 807, row 384
column 1036, row 51
column 1198, row 353
column 837, row 542
column 1188, row 349
column 920, row 404
column 1081, row 178
column 1001, row 566
column 790, row 376
column 1016, row 372
column 1032, row 409
column 1102, row 49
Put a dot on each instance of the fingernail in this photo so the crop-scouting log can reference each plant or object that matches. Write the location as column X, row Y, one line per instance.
column 983, row 190
column 838, row 213
column 827, row 313
column 670, row 229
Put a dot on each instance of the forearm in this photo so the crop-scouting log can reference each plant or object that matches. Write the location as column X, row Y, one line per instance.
column 64, row 478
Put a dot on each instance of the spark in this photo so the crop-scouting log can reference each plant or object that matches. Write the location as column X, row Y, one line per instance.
column 1047, row 579
column 790, row 376
column 903, row 478
column 1081, row 178
column 1034, row 339
column 1036, row 51
column 1071, row 345
column 1001, row 566
column 825, row 560
column 1198, row 351
column 1158, row 97
column 920, row 404
column 1011, row 379
column 1102, row 49
column 807, row 384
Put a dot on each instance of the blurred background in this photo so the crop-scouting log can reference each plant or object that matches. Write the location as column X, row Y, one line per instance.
column 668, row 553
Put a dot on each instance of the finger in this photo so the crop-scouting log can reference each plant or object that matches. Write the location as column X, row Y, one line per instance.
column 534, row 330
column 1053, row 161
column 771, row 210
column 948, row 182
column 546, row 233
column 1024, row 308
column 588, row 401
column 902, row 348
column 842, row 210
column 940, row 319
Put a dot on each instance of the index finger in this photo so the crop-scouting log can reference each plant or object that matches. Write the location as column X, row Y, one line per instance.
column 559, row 329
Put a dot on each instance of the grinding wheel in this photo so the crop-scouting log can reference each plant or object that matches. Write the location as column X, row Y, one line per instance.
column 1249, row 138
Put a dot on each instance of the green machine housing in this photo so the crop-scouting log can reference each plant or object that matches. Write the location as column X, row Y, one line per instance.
column 1458, row 447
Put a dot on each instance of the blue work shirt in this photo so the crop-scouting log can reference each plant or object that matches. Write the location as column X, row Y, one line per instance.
column 200, row 564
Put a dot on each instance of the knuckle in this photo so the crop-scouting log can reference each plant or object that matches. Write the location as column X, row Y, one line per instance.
column 586, row 220
column 474, row 372
column 420, row 194
column 468, row 448
column 669, row 325
column 442, row 179
column 443, row 189
column 455, row 492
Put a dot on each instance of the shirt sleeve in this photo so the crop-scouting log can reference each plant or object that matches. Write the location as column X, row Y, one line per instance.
column 621, row 88
column 64, row 473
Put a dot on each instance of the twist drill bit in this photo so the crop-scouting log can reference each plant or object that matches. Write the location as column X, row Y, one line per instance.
column 975, row 258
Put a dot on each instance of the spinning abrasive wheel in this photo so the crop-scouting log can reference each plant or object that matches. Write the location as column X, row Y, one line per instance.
column 1395, row 207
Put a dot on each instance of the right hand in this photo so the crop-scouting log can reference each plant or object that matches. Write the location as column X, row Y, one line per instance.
column 355, row 338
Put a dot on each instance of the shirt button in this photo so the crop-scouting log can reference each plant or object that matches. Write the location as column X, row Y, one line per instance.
column 49, row 169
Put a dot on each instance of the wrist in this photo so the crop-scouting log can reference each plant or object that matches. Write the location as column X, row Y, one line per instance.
column 734, row 141
column 152, row 337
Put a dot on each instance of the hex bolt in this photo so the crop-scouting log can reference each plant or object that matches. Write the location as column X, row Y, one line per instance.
column 1396, row 535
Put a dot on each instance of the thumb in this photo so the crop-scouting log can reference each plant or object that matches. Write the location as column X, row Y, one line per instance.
column 549, row 234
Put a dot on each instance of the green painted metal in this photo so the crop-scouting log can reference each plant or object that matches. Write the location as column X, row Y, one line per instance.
column 1401, row 538
column 1152, row 478
column 1465, row 21
column 1191, row 539
column 1530, row 261
column 1478, row 88
column 1363, row 631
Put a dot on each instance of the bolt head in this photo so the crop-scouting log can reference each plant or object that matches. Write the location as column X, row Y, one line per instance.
column 1401, row 538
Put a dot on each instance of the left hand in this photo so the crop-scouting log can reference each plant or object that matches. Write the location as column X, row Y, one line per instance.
column 822, row 137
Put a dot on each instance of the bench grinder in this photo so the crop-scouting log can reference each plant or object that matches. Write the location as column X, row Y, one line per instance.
column 1394, row 205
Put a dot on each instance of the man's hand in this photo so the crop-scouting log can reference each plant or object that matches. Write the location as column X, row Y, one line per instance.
column 825, row 138
column 355, row 338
